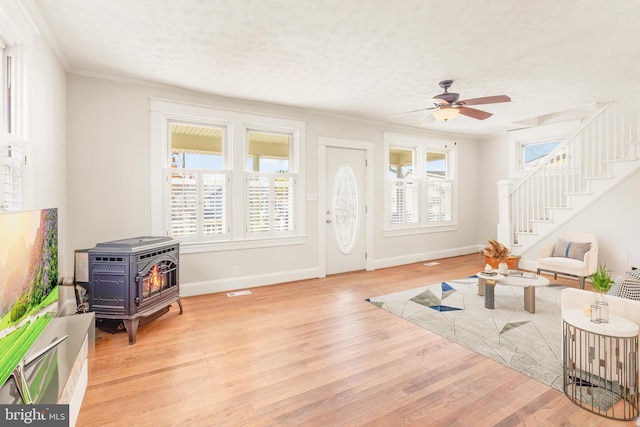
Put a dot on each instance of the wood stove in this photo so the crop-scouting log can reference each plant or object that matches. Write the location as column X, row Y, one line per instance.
column 134, row 279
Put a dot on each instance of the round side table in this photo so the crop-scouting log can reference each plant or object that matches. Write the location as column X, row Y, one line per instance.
column 600, row 364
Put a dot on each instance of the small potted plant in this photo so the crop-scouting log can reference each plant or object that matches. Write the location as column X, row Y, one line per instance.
column 499, row 253
column 601, row 282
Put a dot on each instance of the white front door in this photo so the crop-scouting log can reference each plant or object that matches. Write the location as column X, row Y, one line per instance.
column 345, row 217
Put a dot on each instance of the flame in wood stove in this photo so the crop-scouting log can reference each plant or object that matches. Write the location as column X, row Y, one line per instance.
column 155, row 279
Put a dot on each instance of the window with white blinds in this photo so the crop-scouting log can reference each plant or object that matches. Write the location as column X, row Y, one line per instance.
column 270, row 204
column 230, row 179
column 12, row 143
column 420, row 181
column 271, row 187
column 439, row 201
column 405, row 192
column 198, row 185
column 11, row 177
column 404, row 201
column 439, row 189
column 198, row 206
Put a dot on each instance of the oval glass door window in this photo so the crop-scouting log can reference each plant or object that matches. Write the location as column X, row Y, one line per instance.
column 345, row 209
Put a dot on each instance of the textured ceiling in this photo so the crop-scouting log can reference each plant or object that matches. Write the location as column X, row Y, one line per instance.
column 366, row 58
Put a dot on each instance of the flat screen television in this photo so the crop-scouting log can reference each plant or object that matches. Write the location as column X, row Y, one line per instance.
column 28, row 286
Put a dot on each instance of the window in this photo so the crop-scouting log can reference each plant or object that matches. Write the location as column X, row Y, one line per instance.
column 404, row 187
column 11, row 177
column 12, row 143
column 268, row 152
column 420, row 193
column 533, row 153
column 231, row 179
column 198, row 183
column 528, row 147
column 439, row 187
column 270, row 187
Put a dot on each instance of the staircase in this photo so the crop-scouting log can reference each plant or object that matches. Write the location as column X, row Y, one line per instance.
column 600, row 154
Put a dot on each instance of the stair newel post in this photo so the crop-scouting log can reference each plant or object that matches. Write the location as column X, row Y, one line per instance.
column 505, row 226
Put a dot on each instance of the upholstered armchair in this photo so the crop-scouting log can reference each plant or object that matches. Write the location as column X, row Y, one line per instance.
column 571, row 254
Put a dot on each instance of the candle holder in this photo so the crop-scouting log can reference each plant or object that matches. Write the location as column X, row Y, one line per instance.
column 604, row 312
column 595, row 313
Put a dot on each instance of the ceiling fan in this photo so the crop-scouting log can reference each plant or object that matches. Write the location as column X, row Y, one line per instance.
column 447, row 106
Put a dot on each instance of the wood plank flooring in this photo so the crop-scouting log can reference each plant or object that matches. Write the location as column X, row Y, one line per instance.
column 312, row 353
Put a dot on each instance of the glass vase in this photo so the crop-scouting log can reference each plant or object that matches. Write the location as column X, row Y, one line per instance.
column 604, row 309
column 595, row 313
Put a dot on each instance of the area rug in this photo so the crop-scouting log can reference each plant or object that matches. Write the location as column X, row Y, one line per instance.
column 529, row 343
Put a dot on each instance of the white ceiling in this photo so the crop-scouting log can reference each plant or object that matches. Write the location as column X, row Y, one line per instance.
column 366, row 58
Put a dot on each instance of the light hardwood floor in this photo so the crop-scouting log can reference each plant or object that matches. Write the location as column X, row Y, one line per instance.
column 312, row 353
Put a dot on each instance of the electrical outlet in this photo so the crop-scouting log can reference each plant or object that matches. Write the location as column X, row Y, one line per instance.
column 236, row 270
column 624, row 257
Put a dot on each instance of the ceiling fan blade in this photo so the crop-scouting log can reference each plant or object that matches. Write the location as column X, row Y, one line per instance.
column 485, row 100
column 408, row 112
column 473, row 113
column 427, row 120
column 413, row 111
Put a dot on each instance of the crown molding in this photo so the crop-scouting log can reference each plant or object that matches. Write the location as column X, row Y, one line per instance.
column 39, row 26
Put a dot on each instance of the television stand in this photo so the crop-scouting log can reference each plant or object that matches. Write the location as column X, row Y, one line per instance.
column 60, row 374
column 18, row 372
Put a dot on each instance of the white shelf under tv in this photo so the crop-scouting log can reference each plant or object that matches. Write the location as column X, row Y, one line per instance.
column 71, row 364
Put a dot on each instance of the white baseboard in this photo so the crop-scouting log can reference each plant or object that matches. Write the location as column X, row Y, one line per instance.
column 245, row 282
column 425, row 256
column 236, row 283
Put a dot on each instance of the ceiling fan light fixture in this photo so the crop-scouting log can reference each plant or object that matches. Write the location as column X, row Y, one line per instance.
column 445, row 114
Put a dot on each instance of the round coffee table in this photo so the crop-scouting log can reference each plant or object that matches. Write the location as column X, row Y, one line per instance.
column 528, row 284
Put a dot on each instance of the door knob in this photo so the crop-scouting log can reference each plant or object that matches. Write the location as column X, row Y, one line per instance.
column 328, row 221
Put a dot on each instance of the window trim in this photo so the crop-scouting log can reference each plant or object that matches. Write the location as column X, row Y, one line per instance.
column 238, row 124
column 522, row 147
column 420, row 146
column 13, row 136
column 535, row 135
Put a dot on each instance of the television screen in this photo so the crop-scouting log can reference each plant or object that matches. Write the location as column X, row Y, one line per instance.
column 28, row 282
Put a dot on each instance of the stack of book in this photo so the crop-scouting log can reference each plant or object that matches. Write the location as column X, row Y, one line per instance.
column 523, row 274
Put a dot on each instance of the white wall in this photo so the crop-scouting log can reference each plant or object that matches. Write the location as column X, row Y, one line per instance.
column 89, row 142
column 493, row 167
column 613, row 218
column 46, row 148
column 44, row 118
column 108, row 132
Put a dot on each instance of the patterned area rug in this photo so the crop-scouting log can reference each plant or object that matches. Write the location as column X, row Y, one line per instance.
column 529, row 343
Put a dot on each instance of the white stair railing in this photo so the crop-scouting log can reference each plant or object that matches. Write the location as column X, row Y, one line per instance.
column 608, row 135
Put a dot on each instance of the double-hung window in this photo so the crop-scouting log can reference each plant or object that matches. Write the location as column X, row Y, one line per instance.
column 12, row 141
column 224, row 179
column 404, row 187
column 198, row 183
column 439, row 185
column 420, row 183
column 270, row 186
